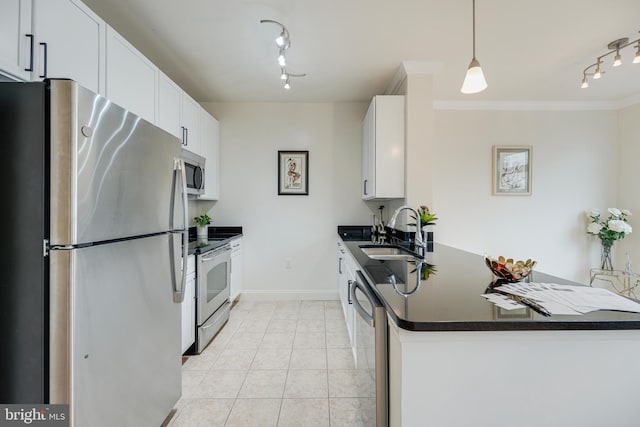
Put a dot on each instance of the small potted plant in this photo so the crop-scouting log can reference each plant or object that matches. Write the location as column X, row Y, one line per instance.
column 202, row 226
column 426, row 218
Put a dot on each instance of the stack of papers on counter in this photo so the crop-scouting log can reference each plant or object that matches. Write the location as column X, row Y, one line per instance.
column 564, row 299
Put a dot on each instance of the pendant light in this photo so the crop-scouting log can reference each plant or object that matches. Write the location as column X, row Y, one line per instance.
column 474, row 81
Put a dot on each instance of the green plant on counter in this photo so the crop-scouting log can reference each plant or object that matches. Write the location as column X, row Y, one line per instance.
column 203, row 220
column 426, row 217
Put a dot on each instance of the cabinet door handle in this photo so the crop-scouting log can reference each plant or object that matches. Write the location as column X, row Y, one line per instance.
column 44, row 75
column 30, row 68
column 365, row 187
column 184, row 141
column 340, row 265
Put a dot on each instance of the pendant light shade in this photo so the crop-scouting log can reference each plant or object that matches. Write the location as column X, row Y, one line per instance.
column 474, row 80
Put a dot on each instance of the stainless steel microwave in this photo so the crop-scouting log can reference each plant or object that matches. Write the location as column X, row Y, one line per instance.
column 194, row 170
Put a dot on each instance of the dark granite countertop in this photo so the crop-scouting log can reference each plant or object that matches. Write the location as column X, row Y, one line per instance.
column 449, row 299
column 218, row 236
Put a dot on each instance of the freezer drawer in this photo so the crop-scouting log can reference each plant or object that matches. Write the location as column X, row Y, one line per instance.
column 115, row 343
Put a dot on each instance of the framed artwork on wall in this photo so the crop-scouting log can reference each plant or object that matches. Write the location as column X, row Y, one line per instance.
column 293, row 173
column 512, row 170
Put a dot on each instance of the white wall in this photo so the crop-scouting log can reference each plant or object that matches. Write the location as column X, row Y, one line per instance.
column 628, row 152
column 295, row 230
column 575, row 154
column 573, row 157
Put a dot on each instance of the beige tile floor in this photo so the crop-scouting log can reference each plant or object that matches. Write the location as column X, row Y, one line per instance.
column 285, row 363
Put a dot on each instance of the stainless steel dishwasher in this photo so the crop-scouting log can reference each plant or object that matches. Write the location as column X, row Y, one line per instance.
column 371, row 347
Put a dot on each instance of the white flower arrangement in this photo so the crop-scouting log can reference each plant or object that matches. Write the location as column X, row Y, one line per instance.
column 613, row 228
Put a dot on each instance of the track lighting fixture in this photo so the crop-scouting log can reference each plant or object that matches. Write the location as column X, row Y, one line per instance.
column 614, row 47
column 283, row 42
column 474, row 81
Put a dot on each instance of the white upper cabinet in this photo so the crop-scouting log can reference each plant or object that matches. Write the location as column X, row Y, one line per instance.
column 16, row 38
column 69, row 43
column 130, row 77
column 383, row 148
column 179, row 114
column 209, row 149
column 169, row 105
column 191, row 124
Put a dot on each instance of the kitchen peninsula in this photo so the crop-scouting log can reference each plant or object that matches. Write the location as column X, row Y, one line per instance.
column 457, row 360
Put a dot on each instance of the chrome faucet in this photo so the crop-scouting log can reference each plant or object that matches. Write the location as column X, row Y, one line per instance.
column 419, row 241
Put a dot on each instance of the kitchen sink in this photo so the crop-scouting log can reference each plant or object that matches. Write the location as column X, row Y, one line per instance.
column 389, row 253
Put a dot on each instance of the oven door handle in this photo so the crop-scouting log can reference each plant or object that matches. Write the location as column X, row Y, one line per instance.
column 216, row 253
column 367, row 317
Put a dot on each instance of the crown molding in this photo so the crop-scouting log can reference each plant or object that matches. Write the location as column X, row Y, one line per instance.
column 410, row 67
column 526, row 105
column 629, row 101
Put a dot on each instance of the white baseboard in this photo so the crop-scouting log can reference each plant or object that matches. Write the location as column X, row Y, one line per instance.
column 254, row 295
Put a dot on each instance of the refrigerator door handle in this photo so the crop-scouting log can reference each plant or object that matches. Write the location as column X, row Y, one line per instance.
column 179, row 171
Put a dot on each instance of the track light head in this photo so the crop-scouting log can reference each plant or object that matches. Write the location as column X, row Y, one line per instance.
column 281, row 59
column 283, row 74
column 282, row 41
column 598, row 72
column 617, row 60
column 636, row 59
column 287, row 84
column 585, row 83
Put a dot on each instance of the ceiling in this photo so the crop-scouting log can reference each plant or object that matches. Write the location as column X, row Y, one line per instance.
column 530, row 51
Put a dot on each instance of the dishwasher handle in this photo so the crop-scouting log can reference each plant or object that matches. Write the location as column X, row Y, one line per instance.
column 359, row 284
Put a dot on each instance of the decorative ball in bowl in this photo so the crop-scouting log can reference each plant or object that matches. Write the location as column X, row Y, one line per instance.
column 508, row 269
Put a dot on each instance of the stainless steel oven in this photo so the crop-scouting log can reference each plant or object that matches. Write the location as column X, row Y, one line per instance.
column 212, row 295
column 370, row 332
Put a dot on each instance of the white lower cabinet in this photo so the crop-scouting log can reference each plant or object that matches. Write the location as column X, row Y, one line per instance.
column 189, row 306
column 347, row 275
column 235, row 287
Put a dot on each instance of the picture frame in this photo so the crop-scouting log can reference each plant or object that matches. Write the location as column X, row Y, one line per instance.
column 512, row 167
column 293, row 173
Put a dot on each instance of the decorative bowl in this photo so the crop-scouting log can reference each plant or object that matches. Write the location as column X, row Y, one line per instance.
column 508, row 269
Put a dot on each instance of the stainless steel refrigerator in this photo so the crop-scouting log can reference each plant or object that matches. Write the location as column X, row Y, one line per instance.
column 95, row 214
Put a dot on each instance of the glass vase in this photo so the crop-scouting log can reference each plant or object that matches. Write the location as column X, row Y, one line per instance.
column 606, row 260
